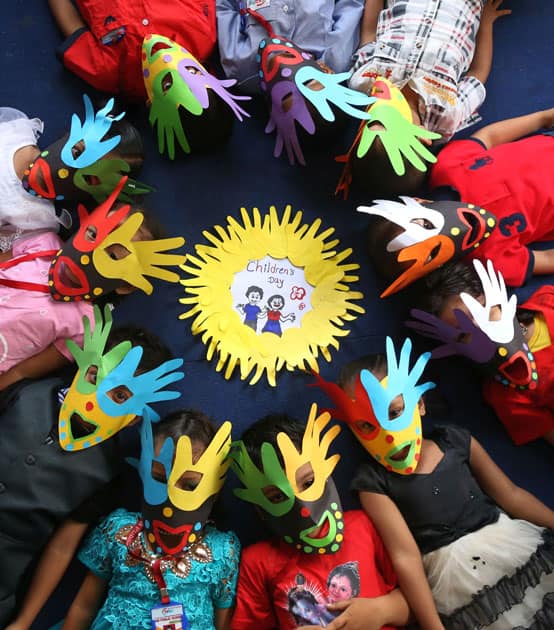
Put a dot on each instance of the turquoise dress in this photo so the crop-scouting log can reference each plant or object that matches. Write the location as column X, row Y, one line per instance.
column 205, row 582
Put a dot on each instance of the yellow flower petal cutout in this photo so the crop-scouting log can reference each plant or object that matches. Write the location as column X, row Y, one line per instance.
column 269, row 292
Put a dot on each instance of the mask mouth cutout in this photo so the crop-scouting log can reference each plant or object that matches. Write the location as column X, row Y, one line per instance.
column 169, row 538
column 397, row 457
column 81, row 428
column 40, row 179
column 157, row 47
column 401, row 455
column 320, row 530
column 517, row 369
column 476, row 227
column 70, row 275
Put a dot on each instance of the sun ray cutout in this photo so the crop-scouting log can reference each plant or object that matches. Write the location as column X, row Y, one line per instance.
column 240, row 244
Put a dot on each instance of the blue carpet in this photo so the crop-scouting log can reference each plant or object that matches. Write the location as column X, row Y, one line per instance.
column 198, row 192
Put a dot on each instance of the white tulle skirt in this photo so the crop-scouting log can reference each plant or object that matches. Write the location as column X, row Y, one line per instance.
column 500, row 577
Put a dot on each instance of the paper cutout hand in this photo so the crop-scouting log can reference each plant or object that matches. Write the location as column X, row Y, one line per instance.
column 400, row 381
column 313, row 451
column 478, row 348
column 494, row 288
column 146, row 387
column 254, row 479
column 155, row 492
column 91, row 131
column 212, row 464
column 401, row 139
column 109, row 173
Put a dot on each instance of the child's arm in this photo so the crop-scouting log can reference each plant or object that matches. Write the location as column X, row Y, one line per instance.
column 368, row 25
column 66, row 16
column 482, row 59
column 52, row 565
column 223, row 618
column 45, row 362
column 405, row 557
column 371, row 613
column 514, row 128
column 86, row 604
column 516, row 501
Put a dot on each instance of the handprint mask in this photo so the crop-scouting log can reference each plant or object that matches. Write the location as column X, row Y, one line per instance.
column 401, row 138
column 311, row 519
column 489, row 334
column 96, row 407
column 434, row 232
column 76, row 168
column 105, row 253
column 395, row 442
column 292, row 80
column 176, row 508
column 174, row 79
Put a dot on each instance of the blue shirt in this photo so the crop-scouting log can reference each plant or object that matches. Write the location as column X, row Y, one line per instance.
column 329, row 30
column 209, row 585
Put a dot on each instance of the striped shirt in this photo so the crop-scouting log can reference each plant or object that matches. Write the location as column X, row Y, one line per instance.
column 429, row 45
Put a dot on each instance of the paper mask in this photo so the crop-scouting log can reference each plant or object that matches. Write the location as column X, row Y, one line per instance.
column 177, row 506
column 401, row 138
column 106, row 393
column 175, row 79
column 497, row 346
column 104, row 254
column 393, row 441
column 310, row 518
column 434, row 232
column 291, row 80
column 75, row 167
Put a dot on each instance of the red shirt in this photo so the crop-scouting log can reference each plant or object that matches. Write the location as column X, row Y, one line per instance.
column 117, row 67
column 512, row 180
column 272, row 573
column 529, row 414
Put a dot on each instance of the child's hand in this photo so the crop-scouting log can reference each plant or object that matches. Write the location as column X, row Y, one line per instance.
column 549, row 118
column 491, row 13
column 360, row 613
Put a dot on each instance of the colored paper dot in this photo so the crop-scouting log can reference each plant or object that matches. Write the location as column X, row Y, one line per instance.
column 340, row 525
column 481, row 211
column 260, row 72
column 306, row 55
column 192, row 537
column 63, row 173
column 334, row 506
column 377, row 457
column 289, row 44
column 146, row 73
column 504, row 381
column 304, row 512
column 308, row 549
column 151, row 537
column 339, row 537
column 338, row 514
column 158, row 550
column 321, row 551
column 97, row 439
column 167, row 58
column 44, row 153
column 418, row 441
column 476, row 246
column 167, row 512
column 89, row 406
column 455, row 231
column 530, row 356
column 534, row 376
column 275, row 40
column 533, row 384
column 146, row 523
column 389, row 467
column 288, row 539
column 491, row 222
column 66, row 298
column 286, row 72
column 417, row 456
column 63, row 422
column 409, row 470
column 262, row 44
column 86, row 444
column 63, row 435
column 334, row 548
column 389, row 439
column 96, row 291
column 57, row 296
column 486, row 234
column 110, row 431
column 59, row 197
column 417, row 430
column 197, row 526
column 502, row 351
column 69, row 447
column 258, row 58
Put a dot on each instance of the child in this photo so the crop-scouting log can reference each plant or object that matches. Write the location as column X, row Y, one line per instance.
column 251, row 311
column 440, row 57
column 517, row 366
column 286, row 473
column 327, row 30
column 444, row 497
column 112, row 252
column 104, row 40
column 83, row 165
column 171, row 550
column 275, row 317
column 55, row 485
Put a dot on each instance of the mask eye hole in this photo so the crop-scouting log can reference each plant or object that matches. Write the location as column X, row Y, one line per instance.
column 158, row 472
column 424, row 223
column 193, row 70
column 274, row 495
column 119, row 394
column 91, row 233
column 396, row 407
column 78, row 149
column 91, row 374
column 365, row 427
column 117, row 251
column 189, row 480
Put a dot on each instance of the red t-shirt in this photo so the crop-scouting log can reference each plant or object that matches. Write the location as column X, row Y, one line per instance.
column 513, row 181
column 281, row 587
column 117, row 67
column 529, row 414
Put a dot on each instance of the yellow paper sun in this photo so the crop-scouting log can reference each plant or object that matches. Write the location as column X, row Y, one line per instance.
column 297, row 247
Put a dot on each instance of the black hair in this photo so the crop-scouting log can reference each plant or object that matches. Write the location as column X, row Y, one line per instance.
column 375, row 363
column 276, row 295
column 211, row 128
column 266, row 429
column 196, row 424
column 380, row 232
column 350, row 571
column 253, row 288
column 150, row 221
column 374, row 175
column 155, row 352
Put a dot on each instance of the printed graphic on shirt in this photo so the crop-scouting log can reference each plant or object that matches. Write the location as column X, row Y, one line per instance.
column 307, row 602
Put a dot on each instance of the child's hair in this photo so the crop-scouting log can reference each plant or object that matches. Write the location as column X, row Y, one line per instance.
column 348, row 376
column 374, row 175
column 196, row 424
column 380, row 232
column 254, row 289
column 211, row 128
column 273, row 297
column 155, row 352
column 266, row 429
column 348, row 570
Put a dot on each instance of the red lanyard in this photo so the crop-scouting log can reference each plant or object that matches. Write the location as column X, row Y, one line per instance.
column 154, row 561
column 19, row 284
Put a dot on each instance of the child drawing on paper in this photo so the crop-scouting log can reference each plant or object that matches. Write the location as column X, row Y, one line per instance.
column 274, row 316
column 251, row 311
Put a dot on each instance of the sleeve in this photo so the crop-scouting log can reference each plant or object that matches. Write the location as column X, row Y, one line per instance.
column 382, row 558
column 362, row 57
column 254, row 609
column 100, row 504
column 226, row 588
column 523, row 419
column 369, row 478
column 96, row 550
column 453, row 437
column 471, row 95
column 90, row 60
column 345, row 35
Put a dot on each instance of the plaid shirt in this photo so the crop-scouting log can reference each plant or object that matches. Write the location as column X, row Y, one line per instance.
column 428, row 44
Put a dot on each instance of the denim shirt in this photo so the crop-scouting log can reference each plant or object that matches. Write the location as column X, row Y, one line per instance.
column 329, row 30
